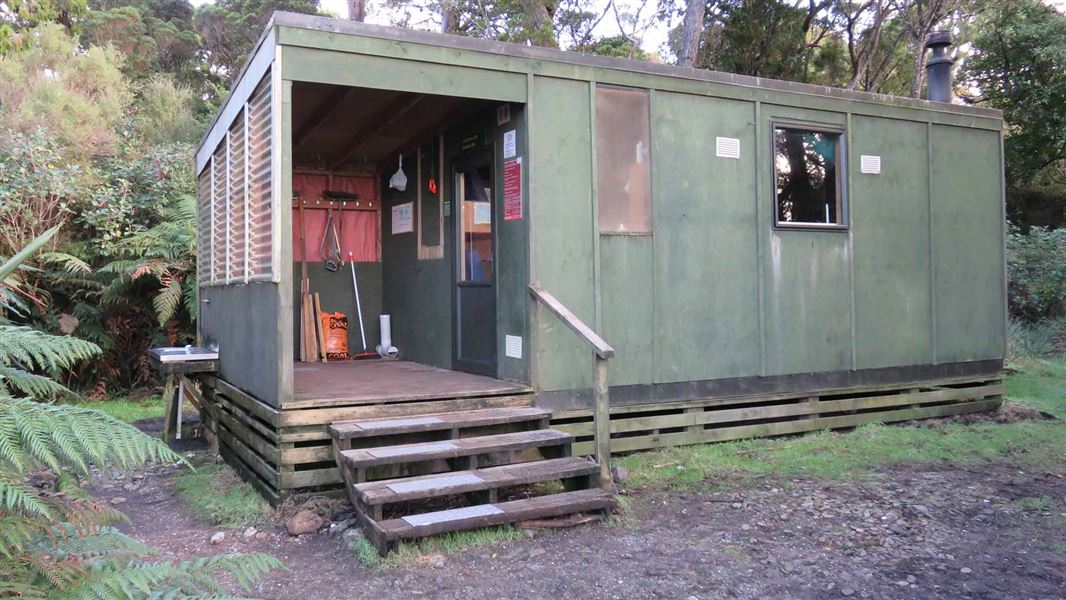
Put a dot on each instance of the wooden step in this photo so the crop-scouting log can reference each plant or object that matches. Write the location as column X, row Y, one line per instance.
column 405, row 453
column 485, row 515
column 436, row 422
column 388, row 491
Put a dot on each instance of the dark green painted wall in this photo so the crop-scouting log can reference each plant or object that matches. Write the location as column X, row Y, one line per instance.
column 416, row 293
column 336, row 295
column 512, row 254
column 890, row 224
column 419, row 294
column 561, row 214
column 248, row 347
column 716, row 291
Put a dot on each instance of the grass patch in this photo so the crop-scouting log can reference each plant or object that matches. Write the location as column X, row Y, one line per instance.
column 1040, row 383
column 217, row 494
column 433, row 549
column 129, row 411
column 846, row 455
column 1037, row 504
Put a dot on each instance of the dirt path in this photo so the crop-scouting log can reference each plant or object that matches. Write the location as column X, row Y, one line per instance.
column 931, row 532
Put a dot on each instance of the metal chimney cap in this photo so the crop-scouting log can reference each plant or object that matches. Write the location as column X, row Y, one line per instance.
column 938, row 39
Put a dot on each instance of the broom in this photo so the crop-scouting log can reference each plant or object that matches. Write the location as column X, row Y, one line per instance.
column 365, row 354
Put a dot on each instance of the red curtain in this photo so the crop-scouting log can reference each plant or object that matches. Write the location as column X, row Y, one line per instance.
column 359, row 230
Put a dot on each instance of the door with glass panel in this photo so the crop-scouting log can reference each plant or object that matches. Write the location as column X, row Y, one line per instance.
column 475, row 268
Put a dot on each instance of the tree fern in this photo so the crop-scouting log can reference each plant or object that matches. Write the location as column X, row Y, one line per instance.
column 166, row 253
column 58, row 544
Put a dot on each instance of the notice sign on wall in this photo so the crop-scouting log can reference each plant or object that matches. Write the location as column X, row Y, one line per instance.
column 512, row 189
column 403, row 218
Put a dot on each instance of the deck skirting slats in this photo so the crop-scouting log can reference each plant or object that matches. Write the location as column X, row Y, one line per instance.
column 288, row 451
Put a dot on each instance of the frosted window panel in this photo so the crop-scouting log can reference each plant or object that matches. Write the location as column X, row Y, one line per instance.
column 623, row 167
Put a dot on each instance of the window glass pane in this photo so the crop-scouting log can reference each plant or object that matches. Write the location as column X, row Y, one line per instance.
column 475, row 187
column 623, row 172
column 807, row 170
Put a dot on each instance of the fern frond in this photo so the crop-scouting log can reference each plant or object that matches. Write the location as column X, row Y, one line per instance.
column 30, row 384
column 187, row 579
column 192, row 296
column 19, row 498
column 104, row 542
column 72, row 436
column 30, row 347
column 166, row 302
column 68, row 262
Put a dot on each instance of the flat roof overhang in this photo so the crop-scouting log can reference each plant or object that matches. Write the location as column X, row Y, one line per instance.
column 316, row 48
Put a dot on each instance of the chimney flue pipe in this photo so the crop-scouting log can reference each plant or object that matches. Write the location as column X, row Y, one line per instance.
column 938, row 67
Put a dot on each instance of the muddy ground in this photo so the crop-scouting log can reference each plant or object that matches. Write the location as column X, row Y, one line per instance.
column 950, row 531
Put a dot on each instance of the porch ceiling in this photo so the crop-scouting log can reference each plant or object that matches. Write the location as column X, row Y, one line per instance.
column 337, row 128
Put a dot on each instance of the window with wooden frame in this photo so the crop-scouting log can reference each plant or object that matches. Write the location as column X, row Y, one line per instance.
column 809, row 177
column 234, row 198
column 623, row 160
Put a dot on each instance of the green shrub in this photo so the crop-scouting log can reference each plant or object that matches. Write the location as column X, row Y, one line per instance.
column 1036, row 272
column 1041, row 339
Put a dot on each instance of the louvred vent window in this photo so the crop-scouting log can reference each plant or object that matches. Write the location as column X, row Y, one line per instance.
column 235, row 201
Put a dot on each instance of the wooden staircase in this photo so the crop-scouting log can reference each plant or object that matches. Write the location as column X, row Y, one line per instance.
column 414, row 477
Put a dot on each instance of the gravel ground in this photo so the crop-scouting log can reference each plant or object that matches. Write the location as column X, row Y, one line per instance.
column 988, row 531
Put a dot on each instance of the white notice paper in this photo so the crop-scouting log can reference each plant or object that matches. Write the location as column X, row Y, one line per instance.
column 482, row 213
column 509, row 144
column 403, row 218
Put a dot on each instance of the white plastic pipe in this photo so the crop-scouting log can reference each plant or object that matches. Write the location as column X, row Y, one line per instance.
column 386, row 349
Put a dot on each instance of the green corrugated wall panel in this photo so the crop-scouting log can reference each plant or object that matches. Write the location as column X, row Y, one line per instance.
column 627, row 292
column 890, row 230
column 967, row 249
column 705, row 283
column 561, row 210
column 361, row 70
column 808, row 302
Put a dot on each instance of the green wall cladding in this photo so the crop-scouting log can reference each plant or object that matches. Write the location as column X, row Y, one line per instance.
column 890, row 228
column 968, row 260
column 561, row 211
column 248, row 350
column 705, row 285
column 336, row 294
column 417, row 294
column 717, row 291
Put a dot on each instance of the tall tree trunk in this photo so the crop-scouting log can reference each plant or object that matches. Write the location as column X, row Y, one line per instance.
column 449, row 17
column 919, row 67
column 691, row 32
column 357, row 10
column 538, row 15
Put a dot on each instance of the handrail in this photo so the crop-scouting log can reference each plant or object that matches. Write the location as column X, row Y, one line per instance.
column 601, row 407
column 599, row 346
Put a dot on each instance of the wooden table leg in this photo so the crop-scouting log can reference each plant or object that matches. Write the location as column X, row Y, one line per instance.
column 168, row 407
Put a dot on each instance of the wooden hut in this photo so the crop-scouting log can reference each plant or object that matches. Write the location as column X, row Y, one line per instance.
column 754, row 257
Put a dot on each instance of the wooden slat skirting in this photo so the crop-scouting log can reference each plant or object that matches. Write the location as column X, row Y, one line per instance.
column 643, row 427
column 288, row 451
column 283, row 452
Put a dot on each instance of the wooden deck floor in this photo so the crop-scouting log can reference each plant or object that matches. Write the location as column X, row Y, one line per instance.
column 383, row 381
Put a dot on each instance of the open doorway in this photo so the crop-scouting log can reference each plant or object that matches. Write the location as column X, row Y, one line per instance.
column 404, row 185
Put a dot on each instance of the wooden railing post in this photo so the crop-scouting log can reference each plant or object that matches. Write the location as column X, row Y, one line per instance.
column 601, row 414
column 601, row 405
